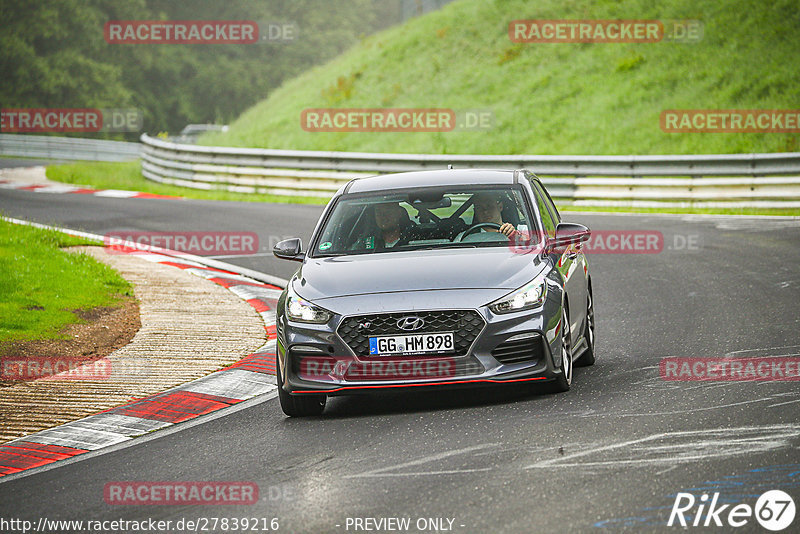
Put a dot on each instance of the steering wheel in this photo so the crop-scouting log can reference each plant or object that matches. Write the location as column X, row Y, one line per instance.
column 475, row 227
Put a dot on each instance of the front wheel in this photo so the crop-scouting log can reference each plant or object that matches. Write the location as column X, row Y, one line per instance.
column 587, row 358
column 564, row 380
column 299, row 405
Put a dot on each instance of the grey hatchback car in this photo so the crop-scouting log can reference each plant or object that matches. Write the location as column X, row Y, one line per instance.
column 434, row 279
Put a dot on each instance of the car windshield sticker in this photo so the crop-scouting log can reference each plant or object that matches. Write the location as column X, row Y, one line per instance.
column 326, row 245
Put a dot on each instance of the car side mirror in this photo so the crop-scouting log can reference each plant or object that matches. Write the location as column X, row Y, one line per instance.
column 289, row 249
column 570, row 233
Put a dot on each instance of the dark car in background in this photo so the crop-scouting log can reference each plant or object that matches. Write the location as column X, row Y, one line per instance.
column 446, row 278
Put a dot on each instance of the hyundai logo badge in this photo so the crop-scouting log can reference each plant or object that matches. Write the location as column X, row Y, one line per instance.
column 412, row 322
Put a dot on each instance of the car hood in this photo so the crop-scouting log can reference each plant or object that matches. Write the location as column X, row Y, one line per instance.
column 482, row 268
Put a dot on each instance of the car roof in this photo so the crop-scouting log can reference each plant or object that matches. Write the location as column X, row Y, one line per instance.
column 404, row 180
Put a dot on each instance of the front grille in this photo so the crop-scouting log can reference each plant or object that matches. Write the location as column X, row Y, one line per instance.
column 465, row 325
column 522, row 350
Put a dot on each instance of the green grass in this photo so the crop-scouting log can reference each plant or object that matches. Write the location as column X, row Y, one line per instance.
column 128, row 176
column 580, row 98
column 42, row 284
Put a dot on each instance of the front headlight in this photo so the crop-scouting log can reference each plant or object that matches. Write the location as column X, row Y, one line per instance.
column 528, row 296
column 302, row 311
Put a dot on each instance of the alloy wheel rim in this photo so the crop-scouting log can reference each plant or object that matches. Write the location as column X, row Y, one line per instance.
column 590, row 320
column 566, row 360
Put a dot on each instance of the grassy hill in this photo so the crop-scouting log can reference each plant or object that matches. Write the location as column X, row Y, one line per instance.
column 584, row 98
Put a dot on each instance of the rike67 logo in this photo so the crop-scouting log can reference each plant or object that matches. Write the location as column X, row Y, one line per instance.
column 774, row 510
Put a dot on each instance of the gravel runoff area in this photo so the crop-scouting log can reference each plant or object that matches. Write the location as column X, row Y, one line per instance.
column 30, row 175
column 190, row 328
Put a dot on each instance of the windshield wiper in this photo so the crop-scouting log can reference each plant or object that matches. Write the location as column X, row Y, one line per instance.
column 451, row 245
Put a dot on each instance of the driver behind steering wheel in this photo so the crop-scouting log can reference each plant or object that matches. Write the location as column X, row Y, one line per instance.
column 488, row 209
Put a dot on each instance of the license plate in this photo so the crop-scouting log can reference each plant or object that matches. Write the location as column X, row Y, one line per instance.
column 438, row 343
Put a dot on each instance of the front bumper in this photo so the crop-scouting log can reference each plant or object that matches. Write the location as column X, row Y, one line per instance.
column 314, row 359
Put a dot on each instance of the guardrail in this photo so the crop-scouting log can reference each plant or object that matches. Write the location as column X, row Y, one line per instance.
column 735, row 180
column 67, row 148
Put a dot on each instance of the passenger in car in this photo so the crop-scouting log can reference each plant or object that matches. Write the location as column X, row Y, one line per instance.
column 394, row 225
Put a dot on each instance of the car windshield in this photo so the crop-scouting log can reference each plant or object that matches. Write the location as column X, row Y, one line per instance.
column 425, row 218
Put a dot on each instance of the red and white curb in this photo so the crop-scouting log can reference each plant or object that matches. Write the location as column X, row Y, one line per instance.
column 251, row 376
column 72, row 189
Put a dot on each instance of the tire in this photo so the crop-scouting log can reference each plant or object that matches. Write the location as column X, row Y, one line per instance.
column 564, row 380
column 587, row 358
column 300, row 405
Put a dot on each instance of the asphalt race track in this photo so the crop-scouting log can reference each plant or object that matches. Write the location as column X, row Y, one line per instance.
column 11, row 162
column 611, row 453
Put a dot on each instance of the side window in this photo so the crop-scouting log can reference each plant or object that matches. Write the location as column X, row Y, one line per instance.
column 547, row 200
column 547, row 218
